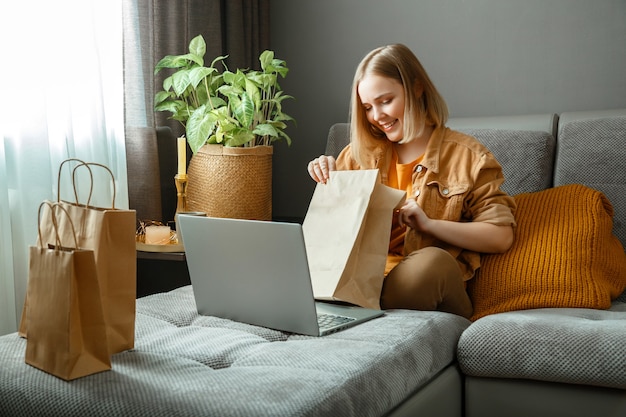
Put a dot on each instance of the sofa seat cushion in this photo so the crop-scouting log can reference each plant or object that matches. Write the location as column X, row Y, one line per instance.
column 564, row 255
column 567, row 345
column 185, row 364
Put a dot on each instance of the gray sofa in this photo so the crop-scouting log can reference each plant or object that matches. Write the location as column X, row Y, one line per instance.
column 541, row 362
column 553, row 361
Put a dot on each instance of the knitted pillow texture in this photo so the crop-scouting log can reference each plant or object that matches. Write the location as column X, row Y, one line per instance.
column 564, row 255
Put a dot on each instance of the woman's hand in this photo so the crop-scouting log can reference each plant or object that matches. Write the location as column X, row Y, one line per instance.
column 475, row 236
column 412, row 215
column 319, row 168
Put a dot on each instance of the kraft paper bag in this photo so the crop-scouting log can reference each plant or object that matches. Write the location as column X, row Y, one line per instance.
column 110, row 233
column 346, row 231
column 66, row 328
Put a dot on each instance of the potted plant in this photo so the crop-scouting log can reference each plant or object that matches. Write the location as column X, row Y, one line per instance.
column 227, row 115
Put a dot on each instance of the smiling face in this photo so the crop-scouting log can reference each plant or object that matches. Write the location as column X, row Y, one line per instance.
column 382, row 99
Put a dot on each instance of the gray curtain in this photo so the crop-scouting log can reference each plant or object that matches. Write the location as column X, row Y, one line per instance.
column 153, row 29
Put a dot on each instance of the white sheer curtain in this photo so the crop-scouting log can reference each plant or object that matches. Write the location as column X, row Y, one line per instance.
column 61, row 97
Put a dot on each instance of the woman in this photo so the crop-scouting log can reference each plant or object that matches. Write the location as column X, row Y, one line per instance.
column 455, row 208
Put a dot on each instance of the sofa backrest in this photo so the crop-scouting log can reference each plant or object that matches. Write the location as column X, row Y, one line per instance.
column 338, row 138
column 591, row 150
column 524, row 146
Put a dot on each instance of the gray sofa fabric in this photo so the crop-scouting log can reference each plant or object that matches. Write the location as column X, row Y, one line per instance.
column 568, row 345
column 593, row 152
column 526, row 157
column 525, row 146
column 570, row 353
column 184, row 364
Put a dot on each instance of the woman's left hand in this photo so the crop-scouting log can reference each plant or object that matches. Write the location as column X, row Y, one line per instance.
column 412, row 215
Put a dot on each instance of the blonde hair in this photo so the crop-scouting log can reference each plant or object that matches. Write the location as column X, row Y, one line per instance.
column 423, row 105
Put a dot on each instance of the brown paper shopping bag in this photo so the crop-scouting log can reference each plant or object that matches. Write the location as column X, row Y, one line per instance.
column 110, row 233
column 49, row 224
column 66, row 329
column 346, row 230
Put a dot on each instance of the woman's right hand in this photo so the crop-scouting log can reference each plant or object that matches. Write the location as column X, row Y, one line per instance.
column 319, row 168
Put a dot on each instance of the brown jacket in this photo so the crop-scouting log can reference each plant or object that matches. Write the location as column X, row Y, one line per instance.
column 458, row 179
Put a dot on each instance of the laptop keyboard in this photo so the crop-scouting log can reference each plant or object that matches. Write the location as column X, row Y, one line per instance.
column 327, row 321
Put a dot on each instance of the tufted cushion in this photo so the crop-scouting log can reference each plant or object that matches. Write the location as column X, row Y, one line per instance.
column 564, row 255
column 185, row 364
column 575, row 346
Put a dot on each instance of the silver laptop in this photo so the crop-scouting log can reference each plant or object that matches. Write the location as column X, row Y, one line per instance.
column 257, row 272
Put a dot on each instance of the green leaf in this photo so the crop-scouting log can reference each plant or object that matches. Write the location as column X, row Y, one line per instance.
column 178, row 62
column 285, row 136
column 199, row 127
column 280, row 116
column 193, row 58
column 278, row 66
column 217, row 102
column 229, row 77
column 197, row 46
column 161, row 96
column 266, row 58
column 266, row 81
column 243, row 110
column 216, row 82
column 168, row 61
column 278, row 125
column 197, row 74
column 180, row 81
column 170, row 106
column 218, row 59
column 279, row 96
column 238, row 79
column 253, row 92
column 239, row 137
column 167, row 83
column 182, row 114
column 233, row 100
column 265, row 129
column 230, row 91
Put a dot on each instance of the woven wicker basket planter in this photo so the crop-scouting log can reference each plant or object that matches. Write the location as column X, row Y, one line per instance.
column 231, row 182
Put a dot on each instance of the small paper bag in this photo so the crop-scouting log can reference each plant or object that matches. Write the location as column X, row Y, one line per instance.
column 110, row 233
column 346, row 230
column 66, row 329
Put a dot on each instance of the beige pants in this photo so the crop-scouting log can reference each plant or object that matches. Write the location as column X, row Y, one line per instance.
column 427, row 279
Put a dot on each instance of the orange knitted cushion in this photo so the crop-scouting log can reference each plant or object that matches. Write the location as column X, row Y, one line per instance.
column 564, row 255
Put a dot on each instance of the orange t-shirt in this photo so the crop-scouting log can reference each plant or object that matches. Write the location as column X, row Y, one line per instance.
column 401, row 178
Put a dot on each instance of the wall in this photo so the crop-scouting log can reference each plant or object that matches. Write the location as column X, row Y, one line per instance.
column 487, row 58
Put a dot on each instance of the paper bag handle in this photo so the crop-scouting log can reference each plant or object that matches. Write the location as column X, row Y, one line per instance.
column 73, row 183
column 88, row 165
column 54, row 206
